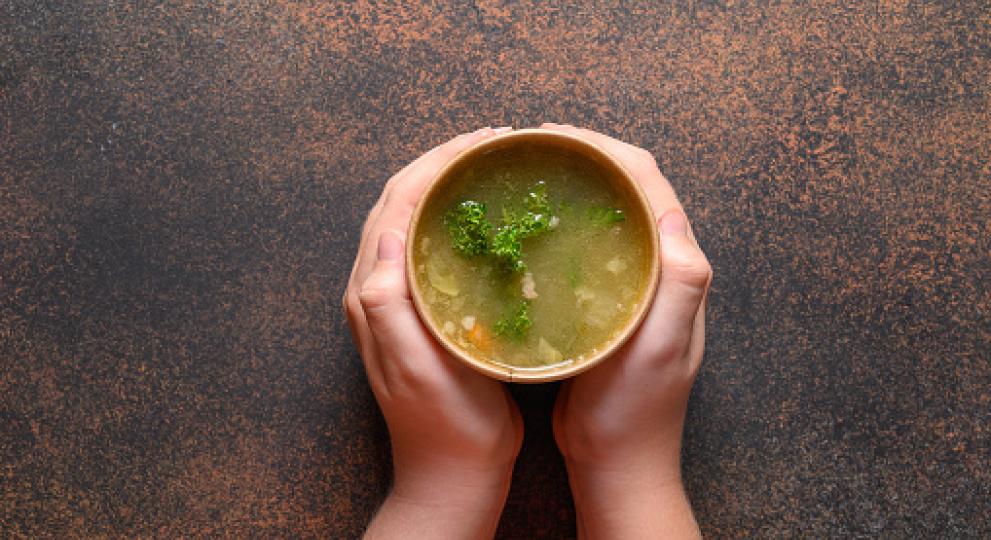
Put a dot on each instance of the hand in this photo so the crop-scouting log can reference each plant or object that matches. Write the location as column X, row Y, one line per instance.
column 455, row 433
column 619, row 425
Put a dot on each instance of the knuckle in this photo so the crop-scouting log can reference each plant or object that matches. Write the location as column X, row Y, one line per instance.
column 694, row 367
column 670, row 351
column 416, row 378
column 405, row 199
column 374, row 297
column 371, row 217
column 390, row 183
column 388, row 196
column 409, row 377
column 693, row 270
column 384, row 198
column 647, row 157
column 344, row 302
column 347, row 299
column 352, row 305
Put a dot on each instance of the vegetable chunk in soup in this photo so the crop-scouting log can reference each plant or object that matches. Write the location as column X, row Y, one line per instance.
column 528, row 257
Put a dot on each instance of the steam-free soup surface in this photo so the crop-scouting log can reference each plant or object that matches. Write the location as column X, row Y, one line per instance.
column 577, row 281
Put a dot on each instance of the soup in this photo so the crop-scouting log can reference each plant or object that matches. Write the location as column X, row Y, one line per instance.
column 527, row 257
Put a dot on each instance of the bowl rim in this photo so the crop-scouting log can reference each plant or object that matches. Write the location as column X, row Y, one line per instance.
column 633, row 189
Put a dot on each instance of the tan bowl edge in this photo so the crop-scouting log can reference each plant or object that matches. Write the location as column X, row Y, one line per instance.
column 630, row 188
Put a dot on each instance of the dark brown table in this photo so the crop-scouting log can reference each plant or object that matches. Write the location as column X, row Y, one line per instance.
column 181, row 191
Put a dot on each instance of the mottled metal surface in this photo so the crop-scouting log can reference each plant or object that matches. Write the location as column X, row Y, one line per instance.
column 181, row 190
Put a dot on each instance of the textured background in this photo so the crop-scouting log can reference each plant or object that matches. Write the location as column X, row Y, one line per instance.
column 181, row 190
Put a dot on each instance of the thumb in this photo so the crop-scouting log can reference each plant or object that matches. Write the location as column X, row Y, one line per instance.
column 385, row 299
column 685, row 272
column 685, row 276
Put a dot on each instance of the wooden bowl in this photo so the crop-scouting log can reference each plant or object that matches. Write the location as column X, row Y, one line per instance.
column 625, row 185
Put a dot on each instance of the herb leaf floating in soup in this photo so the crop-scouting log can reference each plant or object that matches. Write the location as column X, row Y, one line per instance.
column 469, row 229
column 471, row 236
column 507, row 246
column 470, row 232
column 516, row 324
column 606, row 216
column 528, row 258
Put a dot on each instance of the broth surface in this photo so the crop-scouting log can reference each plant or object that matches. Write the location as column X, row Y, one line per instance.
column 584, row 278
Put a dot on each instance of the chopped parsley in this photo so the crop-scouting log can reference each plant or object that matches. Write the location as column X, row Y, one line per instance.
column 535, row 218
column 473, row 235
column 606, row 216
column 470, row 230
column 516, row 324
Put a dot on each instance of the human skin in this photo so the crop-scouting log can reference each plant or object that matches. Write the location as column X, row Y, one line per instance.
column 456, row 433
column 619, row 425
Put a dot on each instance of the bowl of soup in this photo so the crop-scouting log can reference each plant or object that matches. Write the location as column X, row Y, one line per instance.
column 532, row 256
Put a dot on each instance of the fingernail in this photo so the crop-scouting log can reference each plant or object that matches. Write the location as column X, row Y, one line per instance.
column 673, row 222
column 502, row 129
column 390, row 246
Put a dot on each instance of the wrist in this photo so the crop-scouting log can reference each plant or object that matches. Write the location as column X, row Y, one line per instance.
column 634, row 501
column 633, row 477
column 656, row 454
column 450, row 483
column 435, row 501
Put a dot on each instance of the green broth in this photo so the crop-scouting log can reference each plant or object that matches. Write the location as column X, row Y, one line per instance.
column 588, row 272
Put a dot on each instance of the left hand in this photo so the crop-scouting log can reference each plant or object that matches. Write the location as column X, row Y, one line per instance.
column 455, row 433
column 619, row 425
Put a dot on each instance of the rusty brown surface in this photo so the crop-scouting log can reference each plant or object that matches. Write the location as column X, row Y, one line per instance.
column 181, row 191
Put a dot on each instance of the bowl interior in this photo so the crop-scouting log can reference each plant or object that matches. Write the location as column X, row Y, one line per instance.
column 622, row 183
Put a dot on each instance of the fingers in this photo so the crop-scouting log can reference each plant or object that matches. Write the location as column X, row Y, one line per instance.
column 362, row 337
column 637, row 160
column 373, row 215
column 389, row 313
column 685, row 272
column 629, row 154
column 673, row 320
column 396, row 205
column 696, row 348
column 408, row 188
column 398, row 218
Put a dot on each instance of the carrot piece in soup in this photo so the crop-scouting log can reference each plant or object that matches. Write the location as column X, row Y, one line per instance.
column 480, row 338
